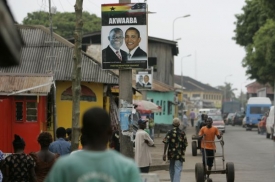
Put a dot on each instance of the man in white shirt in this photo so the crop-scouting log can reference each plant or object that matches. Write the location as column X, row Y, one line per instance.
column 142, row 143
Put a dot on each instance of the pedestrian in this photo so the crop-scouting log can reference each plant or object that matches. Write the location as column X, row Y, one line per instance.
column 176, row 142
column 95, row 162
column 115, row 144
column 1, row 162
column 151, row 126
column 142, row 142
column 198, row 124
column 69, row 134
column 18, row 166
column 60, row 146
column 44, row 159
column 192, row 116
column 184, row 123
column 208, row 147
column 83, row 142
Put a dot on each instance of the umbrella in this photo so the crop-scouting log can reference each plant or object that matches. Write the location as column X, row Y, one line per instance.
column 147, row 107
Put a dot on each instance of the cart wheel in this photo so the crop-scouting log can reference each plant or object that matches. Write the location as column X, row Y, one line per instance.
column 199, row 172
column 194, row 148
column 230, row 172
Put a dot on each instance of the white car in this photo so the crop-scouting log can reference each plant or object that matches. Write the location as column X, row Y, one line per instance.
column 218, row 122
column 270, row 123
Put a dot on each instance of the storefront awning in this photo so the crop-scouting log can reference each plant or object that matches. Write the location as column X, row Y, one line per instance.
column 25, row 84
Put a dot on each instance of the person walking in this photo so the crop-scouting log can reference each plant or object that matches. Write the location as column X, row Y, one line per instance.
column 44, row 159
column 184, row 123
column 151, row 126
column 176, row 142
column 95, row 162
column 192, row 117
column 142, row 153
column 60, row 146
column 18, row 166
column 208, row 147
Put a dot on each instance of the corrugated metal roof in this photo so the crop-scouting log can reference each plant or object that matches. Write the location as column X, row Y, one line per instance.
column 14, row 83
column 35, row 58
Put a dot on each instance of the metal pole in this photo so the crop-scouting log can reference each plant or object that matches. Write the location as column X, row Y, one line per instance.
column 53, row 71
column 185, row 16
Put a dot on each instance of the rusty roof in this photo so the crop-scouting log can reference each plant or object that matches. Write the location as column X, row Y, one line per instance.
column 36, row 58
column 14, row 83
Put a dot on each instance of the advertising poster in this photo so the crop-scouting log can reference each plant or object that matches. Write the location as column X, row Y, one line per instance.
column 144, row 80
column 124, row 114
column 124, row 37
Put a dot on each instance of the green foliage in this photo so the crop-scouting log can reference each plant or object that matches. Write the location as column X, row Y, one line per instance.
column 228, row 91
column 65, row 22
column 255, row 31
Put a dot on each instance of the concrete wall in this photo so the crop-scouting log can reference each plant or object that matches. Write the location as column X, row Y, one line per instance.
column 64, row 107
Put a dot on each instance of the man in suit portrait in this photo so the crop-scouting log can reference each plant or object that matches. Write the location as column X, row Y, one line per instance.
column 132, row 40
column 140, row 83
column 113, row 53
column 146, row 81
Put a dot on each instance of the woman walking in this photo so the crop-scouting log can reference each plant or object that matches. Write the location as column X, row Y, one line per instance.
column 44, row 159
column 18, row 166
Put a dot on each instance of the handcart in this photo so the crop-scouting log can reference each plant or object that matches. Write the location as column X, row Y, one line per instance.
column 228, row 168
column 196, row 144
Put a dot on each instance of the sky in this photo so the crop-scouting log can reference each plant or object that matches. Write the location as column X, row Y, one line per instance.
column 206, row 34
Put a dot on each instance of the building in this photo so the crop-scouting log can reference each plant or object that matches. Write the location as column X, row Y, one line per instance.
column 198, row 95
column 256, row 89
column 26, row 91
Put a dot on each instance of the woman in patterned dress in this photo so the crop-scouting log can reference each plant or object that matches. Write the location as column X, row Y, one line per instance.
column 18, row 167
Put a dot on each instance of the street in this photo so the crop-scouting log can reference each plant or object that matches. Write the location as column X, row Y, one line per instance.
column 251, row 153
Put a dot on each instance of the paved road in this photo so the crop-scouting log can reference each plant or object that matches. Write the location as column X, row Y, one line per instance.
column 252, row 155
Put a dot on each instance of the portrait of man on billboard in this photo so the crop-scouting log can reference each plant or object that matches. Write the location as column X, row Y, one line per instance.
column 113, row 52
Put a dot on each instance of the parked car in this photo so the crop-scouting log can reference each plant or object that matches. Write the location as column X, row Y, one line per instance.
column 270, row 123
column 229, row 118
column 238, row 118
column 218, row 122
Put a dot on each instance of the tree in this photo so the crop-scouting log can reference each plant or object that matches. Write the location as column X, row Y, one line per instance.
column 254, row 31
column 228, row 91
column 65, row 22
column 76, row 74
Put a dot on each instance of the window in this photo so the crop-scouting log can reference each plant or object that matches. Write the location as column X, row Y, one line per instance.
column 164, row 107
column 195, row 95
column 25, row 109
column 31, row 113
column 169, row 108
column 158, row 105
column 19, row 111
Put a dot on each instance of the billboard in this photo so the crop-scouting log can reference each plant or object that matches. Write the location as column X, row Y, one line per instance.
column 124, row 37
column 144, row 80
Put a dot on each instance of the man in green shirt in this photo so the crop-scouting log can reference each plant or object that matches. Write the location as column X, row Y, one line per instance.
column 95, row 162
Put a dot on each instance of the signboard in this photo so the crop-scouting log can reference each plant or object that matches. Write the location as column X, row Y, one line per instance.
column 124, row 37
column 144, row 80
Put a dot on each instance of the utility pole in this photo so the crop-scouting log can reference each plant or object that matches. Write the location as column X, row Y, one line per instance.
column 76, row 75
column 126, row 94
column 53, row 70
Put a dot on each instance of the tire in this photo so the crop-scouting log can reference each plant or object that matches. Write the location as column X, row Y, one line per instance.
column 267, row 135
column 194, row 148
column 230, row 172
column 199, row 172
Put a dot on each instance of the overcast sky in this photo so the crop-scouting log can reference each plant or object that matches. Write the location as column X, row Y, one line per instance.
column 206, row 34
